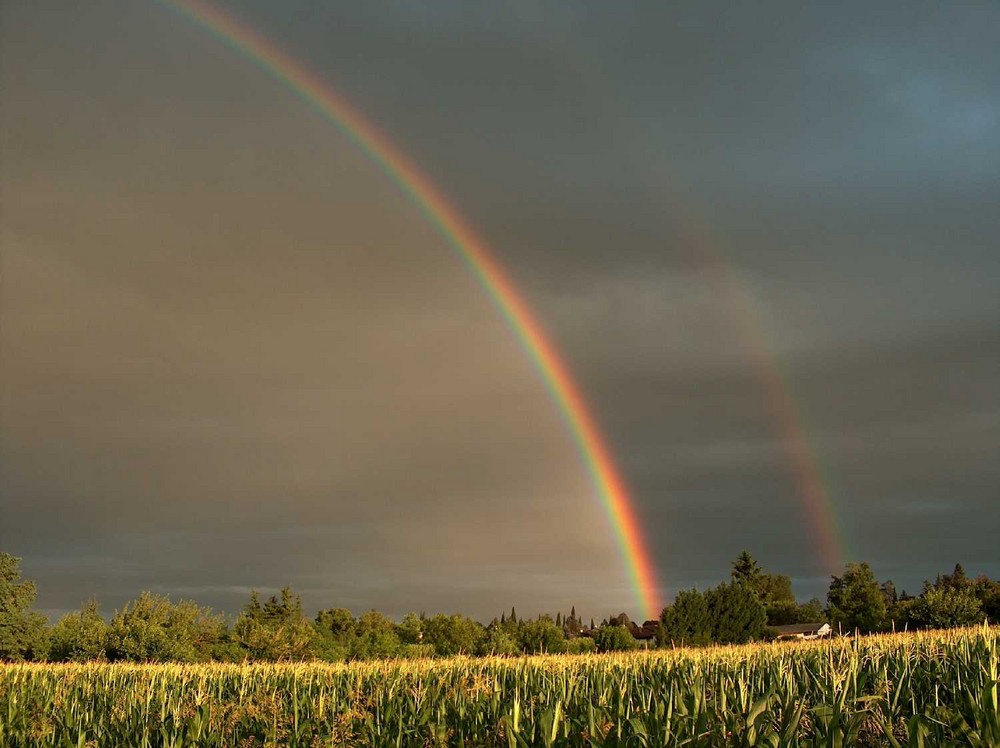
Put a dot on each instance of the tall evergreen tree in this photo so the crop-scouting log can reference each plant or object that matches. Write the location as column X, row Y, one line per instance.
column 738, row 616
column 688, row 620
column 746, row 570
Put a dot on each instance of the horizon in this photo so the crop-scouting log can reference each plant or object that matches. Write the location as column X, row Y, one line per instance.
column 311, row 611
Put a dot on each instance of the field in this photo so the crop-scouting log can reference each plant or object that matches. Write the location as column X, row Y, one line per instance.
column 924, row 689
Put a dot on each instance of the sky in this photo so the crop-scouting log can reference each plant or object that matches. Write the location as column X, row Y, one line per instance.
column 235, row 355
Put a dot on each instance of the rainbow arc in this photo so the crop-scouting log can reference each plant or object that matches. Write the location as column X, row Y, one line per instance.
column 481, row 261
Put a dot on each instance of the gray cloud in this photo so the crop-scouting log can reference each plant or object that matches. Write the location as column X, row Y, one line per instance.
column 234, row 355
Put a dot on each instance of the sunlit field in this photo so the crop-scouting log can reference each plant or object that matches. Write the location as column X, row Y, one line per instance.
column 932, row 688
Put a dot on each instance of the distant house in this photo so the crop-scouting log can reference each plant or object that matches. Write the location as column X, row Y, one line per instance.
column 803, row 631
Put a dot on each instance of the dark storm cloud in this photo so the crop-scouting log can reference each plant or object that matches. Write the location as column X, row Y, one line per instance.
column 234, row 356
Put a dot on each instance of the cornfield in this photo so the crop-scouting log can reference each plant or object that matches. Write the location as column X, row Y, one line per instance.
column 923, row 689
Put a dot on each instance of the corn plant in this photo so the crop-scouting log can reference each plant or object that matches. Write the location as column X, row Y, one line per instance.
column 922, row 689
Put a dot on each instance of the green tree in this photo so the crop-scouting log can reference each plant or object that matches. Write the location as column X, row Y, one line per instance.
column 688, row 621
column 276, row 630
column 581, row 645
column 81, row 636
column 855, row 601
column 738, row 616
column 541, row 635
column 23, row 634
column 614, row 639
column 784, row 613
column 987, row 591
column 773, row 590
column 571, row 624
column 991, row 607
column 746, row 570
column 946, row 607
column 337, row 623
column 957, row 580
column 811, row 612
column 335, row 634
column 453, row 635
column 499, row 640
column 154, row 629
column 375, row 637
column 411, row 629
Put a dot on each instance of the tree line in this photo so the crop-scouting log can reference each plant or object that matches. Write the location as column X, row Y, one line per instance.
column 154, row 628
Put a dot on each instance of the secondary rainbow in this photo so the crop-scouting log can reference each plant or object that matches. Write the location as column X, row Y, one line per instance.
column 747, row 314
column 479, row 259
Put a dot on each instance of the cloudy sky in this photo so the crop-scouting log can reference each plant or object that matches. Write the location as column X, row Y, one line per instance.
column 233, row 354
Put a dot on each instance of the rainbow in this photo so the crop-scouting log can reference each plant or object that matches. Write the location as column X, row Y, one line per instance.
column 481, row 262
column 808, row 480
column 747, row 314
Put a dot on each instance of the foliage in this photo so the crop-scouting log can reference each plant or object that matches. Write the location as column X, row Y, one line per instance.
column 771, row 589
column 688, row 621
column 738, row 616
column 614, row 639
column 541, row 636
column 946, row 607
column 500, row 641
column 784, row 613
column 452, row 635
column 746, row 570
column 988, row 594
column 153, row 629
column 374, row 636
column 22, row 631
column 855, row 601
column 572, row 626
column 411, row 629
column 80, row 636
column 276, row 630
column 581, row 645
column 923, row 689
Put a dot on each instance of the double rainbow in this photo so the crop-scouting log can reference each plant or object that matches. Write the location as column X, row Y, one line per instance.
column 480, row 261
